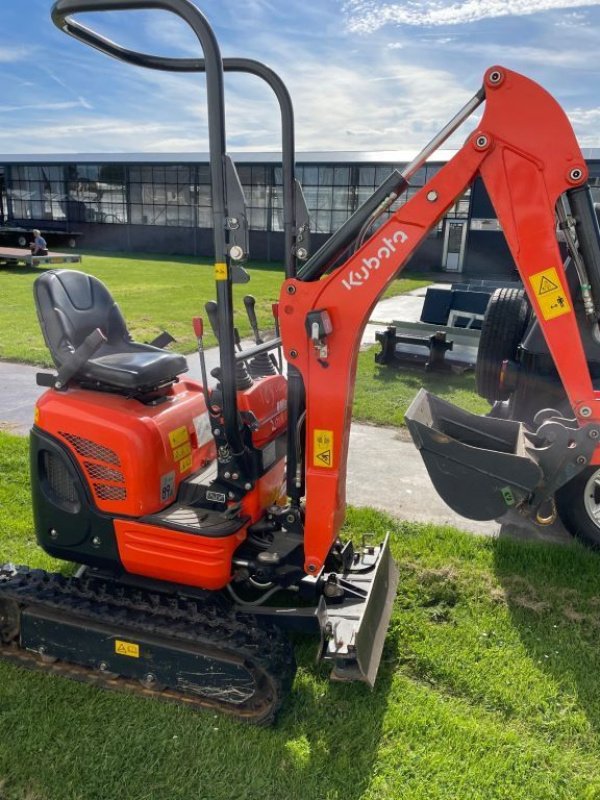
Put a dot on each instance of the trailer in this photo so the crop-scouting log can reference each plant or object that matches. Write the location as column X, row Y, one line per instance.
column 17, row 235
column 14, row 257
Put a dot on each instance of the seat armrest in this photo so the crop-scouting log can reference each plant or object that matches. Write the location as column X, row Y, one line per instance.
column 163, row 340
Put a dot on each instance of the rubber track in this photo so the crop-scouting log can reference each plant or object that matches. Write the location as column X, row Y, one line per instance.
column 211, row 626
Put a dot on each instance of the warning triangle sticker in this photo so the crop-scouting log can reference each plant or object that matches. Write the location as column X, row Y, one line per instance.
column 325, row 457
column 546, row 285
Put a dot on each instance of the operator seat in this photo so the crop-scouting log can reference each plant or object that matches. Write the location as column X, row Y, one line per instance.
column 70, row 306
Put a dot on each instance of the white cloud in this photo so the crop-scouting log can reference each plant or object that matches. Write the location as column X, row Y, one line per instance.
column 586, row 123
column 10, row 54
column 573, row 20
column 393, row 94
column 43, row 106
column 92, row 136
column 366, row 16
column 358, row 111
column 516, row 55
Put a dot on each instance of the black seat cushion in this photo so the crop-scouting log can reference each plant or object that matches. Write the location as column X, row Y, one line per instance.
column 140, row 366
column 70, row 306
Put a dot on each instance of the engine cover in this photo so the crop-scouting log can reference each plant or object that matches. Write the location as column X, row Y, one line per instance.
column 134, row 455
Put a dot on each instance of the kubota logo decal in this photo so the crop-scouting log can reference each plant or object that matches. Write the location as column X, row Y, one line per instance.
column 385, row 252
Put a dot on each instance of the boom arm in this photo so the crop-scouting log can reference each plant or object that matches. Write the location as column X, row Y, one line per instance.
column 527, row 155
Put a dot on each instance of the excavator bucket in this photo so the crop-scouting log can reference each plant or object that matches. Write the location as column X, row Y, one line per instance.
column 484, row 466
column 480, row 466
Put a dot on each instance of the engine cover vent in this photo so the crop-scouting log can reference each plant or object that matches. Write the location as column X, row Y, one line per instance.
column 89, row 449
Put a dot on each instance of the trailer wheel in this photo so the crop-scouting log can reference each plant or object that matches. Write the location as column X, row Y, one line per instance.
column 578, row 505
column 504, row 324
column 22, row 241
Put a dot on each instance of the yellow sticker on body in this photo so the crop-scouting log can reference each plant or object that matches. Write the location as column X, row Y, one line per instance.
column 179, row 436
column 182, row 452
column 185, row 463
column 323, row 448
column 220, row 271
column 127, row 649
column 550, row 294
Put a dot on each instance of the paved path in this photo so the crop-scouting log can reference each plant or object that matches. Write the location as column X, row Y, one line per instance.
column 385, row 470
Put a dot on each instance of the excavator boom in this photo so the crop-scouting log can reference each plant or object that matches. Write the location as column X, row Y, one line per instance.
column 525, row 151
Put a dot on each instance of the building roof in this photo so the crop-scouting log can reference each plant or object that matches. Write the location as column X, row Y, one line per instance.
column 246, row 157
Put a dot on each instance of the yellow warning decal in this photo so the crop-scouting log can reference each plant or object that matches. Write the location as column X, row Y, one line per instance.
column 323, row 448
column 550, row 294
column 185, row 463
column 179, row 436
column 220, row 271
column 182, row 452
column 127, row 649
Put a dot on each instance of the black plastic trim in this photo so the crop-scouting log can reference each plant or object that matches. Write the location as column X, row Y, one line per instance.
column 75, row 530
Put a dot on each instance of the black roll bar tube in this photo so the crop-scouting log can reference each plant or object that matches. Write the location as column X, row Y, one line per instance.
column 186, row 65
column 213, row 68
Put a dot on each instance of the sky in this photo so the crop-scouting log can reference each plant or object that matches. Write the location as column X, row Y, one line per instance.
column 363, row 74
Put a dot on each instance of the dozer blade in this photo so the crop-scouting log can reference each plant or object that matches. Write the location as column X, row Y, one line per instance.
column 479, row 465
column 354, row 631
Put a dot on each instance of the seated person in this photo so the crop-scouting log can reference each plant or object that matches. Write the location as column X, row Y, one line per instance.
column 38, row 247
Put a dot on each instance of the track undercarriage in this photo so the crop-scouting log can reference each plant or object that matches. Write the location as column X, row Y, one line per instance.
column 191, row 650
column 191, row 646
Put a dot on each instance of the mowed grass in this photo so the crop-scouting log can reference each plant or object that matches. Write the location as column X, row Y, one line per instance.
column 488, row 690
column 383, row 394
column 405, row 284
column 154, row 293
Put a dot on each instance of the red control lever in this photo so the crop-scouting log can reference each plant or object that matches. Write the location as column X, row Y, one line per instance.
column 198, row 324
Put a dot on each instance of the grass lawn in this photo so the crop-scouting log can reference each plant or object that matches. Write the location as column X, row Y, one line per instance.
column 488, row 690
column 155, row 294
column 383, row 394
column 404, row 285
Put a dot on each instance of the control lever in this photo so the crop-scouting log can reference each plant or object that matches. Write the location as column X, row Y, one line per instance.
column 250, row 302
column 242, row 379
column 212, row 310
column 275, row 310
column 237, row 340
column 198, row 324
column 261, row 365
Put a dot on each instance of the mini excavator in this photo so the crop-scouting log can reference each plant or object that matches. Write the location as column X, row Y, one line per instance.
column 205, row 519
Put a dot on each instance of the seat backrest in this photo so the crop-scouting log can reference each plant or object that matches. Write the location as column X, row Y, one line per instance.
column 70, row 305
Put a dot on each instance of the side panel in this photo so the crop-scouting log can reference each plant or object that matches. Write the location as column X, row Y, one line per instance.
column 169, row 555
column 133, row 455
column 269, row 491
column 266, row 401
column 66, row 523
